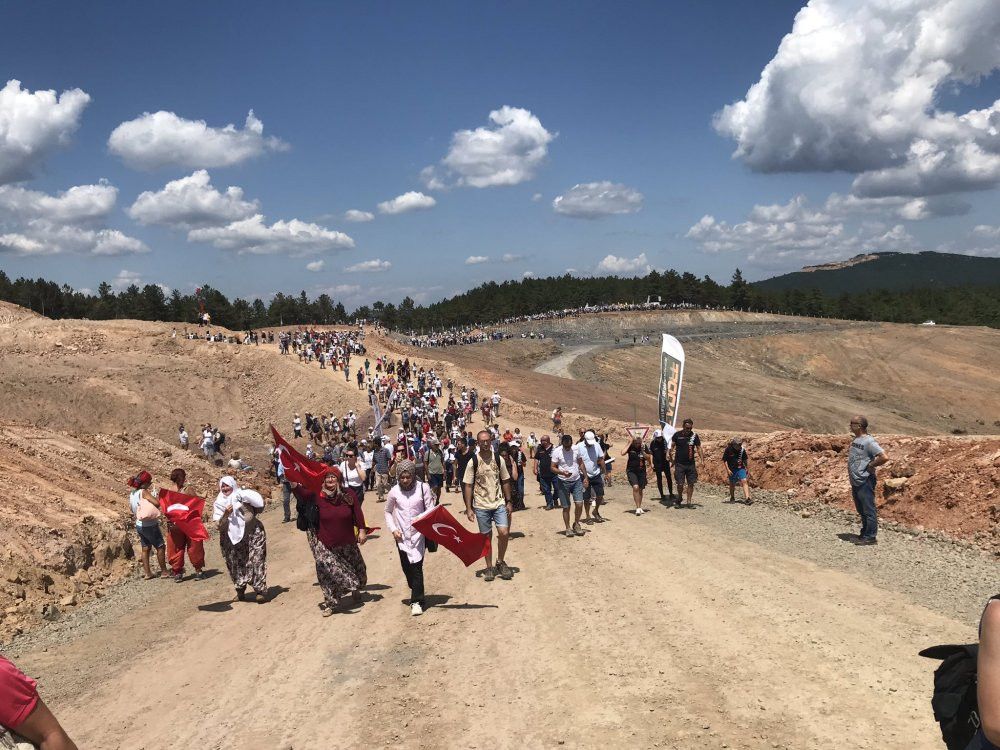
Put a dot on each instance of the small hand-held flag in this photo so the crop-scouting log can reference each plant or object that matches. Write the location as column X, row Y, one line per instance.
column 438, row 524
column 184, row 512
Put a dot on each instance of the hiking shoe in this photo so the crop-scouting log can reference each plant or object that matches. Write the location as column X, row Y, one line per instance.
column 178, row 577
column 504, row 570
column 866, row 541
column 416, row 609
column 489, row 574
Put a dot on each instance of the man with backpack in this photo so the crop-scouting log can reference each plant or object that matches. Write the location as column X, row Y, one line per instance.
column 486, row 490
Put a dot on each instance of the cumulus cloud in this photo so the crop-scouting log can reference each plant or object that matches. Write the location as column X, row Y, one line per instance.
column 191, row 202
column 592, row 200
column 316, row 265
column 858, row 87
column 910, row 209
column 32, row 125
column 986, row 230
column 411, row 201
column 340, row 290
column 163, row 139
column 511, row 257
column 369, row 266
column 617, row 265
column 507, row 151
column 37, row 223
column 528, row 275
column 476, row 259
column 781, row 236
column 358, row 217
column 125, row 279
column 253, row 236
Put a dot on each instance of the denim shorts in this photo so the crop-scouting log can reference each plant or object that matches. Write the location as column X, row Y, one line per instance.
column 150, row 536
column 435, row 480
column 486, row 517
column 595, row 487
column 565, row 490
column 737, row 476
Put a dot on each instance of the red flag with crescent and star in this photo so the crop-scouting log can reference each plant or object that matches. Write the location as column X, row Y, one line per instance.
column 297, row 467
column 184, row 512
column 440, row 525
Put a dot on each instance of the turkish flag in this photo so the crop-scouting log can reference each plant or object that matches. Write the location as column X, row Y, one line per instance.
column 298, row 468
column 439, row 525
column 184, row 512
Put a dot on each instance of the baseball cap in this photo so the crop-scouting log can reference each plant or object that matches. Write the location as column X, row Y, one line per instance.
column 589, row 437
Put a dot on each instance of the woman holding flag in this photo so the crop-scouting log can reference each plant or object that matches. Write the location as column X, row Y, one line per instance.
column 242, row 537
column 407, row 500
column 183, row 538
column 329, row 518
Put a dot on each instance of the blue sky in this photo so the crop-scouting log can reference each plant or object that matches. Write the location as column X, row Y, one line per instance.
column 516, row 138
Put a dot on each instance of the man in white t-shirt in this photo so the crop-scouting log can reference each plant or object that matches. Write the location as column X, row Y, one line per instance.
column 591, row 456
column 566, row 468
column 495, row 400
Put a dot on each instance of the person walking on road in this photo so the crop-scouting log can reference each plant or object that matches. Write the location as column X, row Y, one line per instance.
column 737, row 461
column 635, row 471
column 660, row 452
column 591, row 456
column 178, row 542
column 146, row 510
column 687, row 445
column 406, row 501
column 569, row 485
column 242, row 537
column 543, row 472
column 486, row 490
column 862, row 458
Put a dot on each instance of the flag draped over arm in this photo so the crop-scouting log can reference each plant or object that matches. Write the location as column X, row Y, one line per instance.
column 184, row 512
column 297, row 467
column 440, row 525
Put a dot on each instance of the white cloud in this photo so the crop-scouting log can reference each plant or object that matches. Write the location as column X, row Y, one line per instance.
column 411, row 201
column 902, row 207
column 507, row 151
column 536, row 197
column 793, row 234
column 125, row 279
column 858, row 87
column 191, row 202
column 34, row 124
column 340, row 290
column 528, row 275
column 80, row 204
column 253, row 236
column 369, row 266
column 511, row 257
column 616, row 265
column 358, row 217
column 316, row 265
column 986, row 230
column 475, row 259
column 163, row 139
column 592, row 200
column 36, row 223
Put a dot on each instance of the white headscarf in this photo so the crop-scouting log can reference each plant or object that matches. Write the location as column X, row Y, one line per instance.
column 237, row 499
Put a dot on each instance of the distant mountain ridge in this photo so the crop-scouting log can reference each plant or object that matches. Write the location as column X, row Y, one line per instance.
column 890, row 270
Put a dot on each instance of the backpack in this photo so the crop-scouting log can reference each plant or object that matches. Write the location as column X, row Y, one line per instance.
column 955, row 703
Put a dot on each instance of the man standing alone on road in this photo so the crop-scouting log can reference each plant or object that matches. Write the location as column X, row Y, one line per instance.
column 862, row 458
column 486, row 489
column 686, row 444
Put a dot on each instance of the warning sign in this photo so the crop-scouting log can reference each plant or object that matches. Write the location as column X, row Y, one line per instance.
column 637, row 432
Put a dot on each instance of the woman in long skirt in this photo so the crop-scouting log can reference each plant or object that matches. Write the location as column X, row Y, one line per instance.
column 331, row 517
column 242, row 538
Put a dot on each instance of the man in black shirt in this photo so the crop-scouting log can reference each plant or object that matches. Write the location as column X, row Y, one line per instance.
column 686, row 444
column 661, row 462
column 543, row 471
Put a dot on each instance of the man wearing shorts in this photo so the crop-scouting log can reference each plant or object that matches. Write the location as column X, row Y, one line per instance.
column 566, row 467
column 486, row 489
column 736, row 460
column 686, row 445
column 591, row 458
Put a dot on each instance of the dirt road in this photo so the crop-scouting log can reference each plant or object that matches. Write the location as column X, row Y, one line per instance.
column 559, row 366
column 722, row 626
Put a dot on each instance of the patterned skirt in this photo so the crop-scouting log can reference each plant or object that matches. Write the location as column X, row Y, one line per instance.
column 247, row 560
column 339, row 570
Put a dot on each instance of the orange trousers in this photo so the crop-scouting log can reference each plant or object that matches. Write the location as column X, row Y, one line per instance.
column 177, row 542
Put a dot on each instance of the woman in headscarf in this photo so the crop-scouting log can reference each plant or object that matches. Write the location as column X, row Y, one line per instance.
column 178, row 541
column 406, row 501
column 242, row 537
column 331, row 517
column 146, row 510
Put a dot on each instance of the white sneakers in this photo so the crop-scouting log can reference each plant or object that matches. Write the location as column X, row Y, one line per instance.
column 416, row 609
column 639, row 511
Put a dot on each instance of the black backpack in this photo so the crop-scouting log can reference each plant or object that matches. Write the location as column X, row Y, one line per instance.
column 955, row 703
